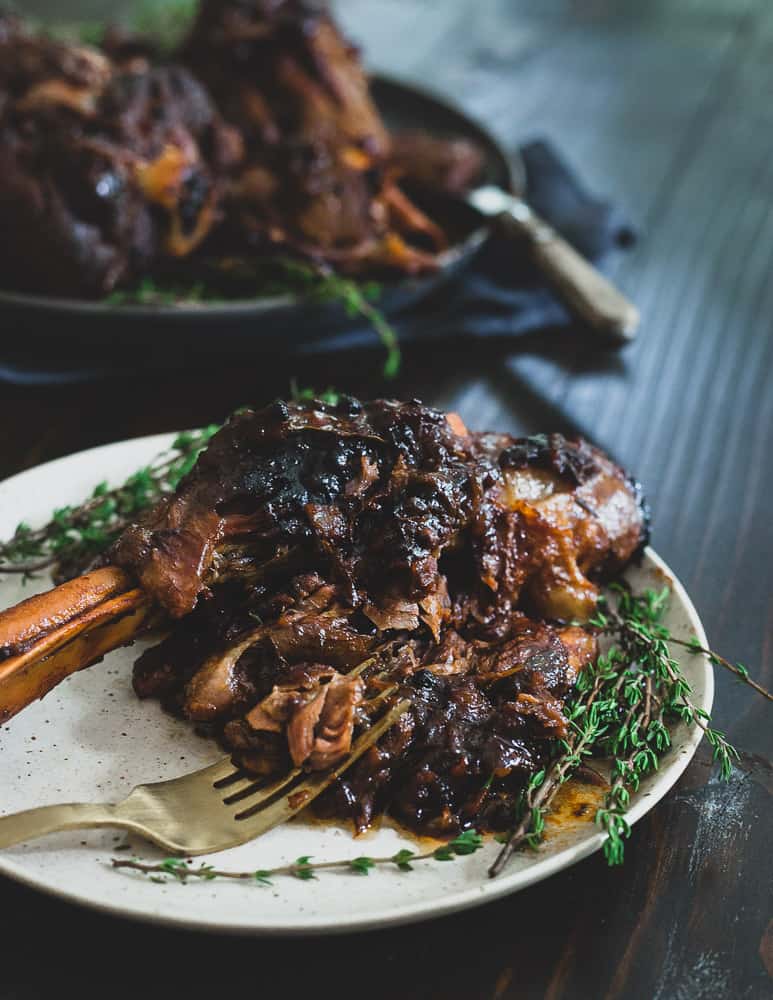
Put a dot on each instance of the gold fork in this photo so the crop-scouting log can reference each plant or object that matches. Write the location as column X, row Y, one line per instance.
column 210, row 810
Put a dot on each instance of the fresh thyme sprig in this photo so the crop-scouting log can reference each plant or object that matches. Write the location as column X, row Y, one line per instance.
column 604, row 693
column 164, row 25
column 150, row 292
column 300, row 394
column 181, row 870
column 622, row 703
column 75, row 535
column 543, row 786
column 636, row 625
column 323, row 285
column 277, row 276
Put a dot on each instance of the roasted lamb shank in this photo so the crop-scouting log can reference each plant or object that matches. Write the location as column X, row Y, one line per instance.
column 261, row 138
column 315, row 555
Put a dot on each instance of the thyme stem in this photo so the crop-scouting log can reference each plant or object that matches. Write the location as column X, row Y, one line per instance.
column 322, row 284
column 303, row 868
column 735, row 668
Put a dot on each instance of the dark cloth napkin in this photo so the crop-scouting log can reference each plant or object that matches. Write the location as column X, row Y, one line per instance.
column 500, row 294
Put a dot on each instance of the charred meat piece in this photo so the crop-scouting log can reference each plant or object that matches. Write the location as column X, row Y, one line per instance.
column 386, row 523
column 32, row 65
column 281, row 67
column 105, row 171
column 485, row 714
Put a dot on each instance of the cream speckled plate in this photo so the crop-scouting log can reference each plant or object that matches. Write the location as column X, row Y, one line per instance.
column 91, row 739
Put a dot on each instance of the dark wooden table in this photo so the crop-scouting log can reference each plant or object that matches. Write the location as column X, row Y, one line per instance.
column 668, row 108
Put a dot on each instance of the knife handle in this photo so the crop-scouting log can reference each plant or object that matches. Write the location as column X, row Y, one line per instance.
column 590, row 296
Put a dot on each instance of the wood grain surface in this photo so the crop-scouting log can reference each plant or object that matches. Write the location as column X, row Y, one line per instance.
column 667, row 107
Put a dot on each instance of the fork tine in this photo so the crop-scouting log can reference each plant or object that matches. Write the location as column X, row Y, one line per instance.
column 230, row 779
column 224, row 771
column 364, row 664
column 370, row 660
column 259, row 820
column 265, row 791
column 248, row 786
column 241, row 786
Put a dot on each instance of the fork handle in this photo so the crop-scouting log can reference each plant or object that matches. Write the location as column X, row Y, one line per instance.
column 32, row 823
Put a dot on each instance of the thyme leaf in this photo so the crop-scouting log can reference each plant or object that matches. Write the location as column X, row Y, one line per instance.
column 307, row 394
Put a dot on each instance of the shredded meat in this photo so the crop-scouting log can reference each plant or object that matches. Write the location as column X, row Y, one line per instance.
column 324, row 735
column 477, row 728
column 318, row 176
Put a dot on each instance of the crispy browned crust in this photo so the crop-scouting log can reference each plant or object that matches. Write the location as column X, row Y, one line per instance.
column 540, row 519
column 108, row 169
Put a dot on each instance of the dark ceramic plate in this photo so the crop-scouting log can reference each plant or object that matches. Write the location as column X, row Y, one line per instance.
column 102, row 327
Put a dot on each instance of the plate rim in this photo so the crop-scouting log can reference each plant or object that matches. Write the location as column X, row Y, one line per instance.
column 467, row 898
